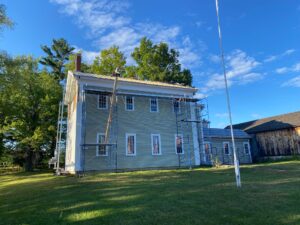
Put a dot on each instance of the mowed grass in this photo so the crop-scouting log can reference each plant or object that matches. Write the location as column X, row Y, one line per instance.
column 270, row 195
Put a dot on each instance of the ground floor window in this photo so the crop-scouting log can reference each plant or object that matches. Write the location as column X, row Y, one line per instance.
column 246, row 148
column 101, row 150
column 207, row 148
column 179, row 144
column 155, row 142
column 226, row 148
column 130, row 144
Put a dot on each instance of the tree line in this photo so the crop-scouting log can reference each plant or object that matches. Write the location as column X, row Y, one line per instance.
column 30, row 94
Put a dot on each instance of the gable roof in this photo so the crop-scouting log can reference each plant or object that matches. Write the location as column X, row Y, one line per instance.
column 131, row 80
column 223, row 133
column 284, row 121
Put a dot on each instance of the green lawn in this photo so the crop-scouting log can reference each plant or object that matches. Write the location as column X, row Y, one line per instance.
column 270, row 195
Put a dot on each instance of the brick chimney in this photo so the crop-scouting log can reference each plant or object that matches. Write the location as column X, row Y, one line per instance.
column 78, row 62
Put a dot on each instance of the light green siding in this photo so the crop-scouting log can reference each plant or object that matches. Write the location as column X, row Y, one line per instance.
column 218, row 151
column 143, row 123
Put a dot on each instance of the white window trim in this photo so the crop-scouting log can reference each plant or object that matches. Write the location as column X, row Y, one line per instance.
column 175, row 136
column 106, row 102
column 209, row 144
column 248, row 148
column 156, row 104
column 132, row 103
column 160, row 150
column 126, row 142
column 179, row 108
column 97, row 148
column 226, row 142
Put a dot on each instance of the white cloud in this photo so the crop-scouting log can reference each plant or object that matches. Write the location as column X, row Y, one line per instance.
column 293, row 68
column 221, row 115
column 214, row 58
column 275, row 57
column 289, row 52
column 294, row 82
column 109, row 24
column 256, row 116
column 240, row 70
column 282, row 70
column 271, row 58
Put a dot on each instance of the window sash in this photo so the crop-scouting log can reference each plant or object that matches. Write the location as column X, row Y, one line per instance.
column 130, row 144
column 207, row 147
column 226, row 148
column 101, row 150
column 129, row 102
column 153, row 105
column 246, row 148
column 179, row 144
column 102, row 101
column 156, row 144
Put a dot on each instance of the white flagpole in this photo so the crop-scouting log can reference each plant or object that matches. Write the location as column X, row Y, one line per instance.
column 236, row 161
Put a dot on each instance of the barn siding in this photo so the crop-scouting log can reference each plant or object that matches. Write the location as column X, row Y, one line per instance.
column 141, row 122
column 279, row 143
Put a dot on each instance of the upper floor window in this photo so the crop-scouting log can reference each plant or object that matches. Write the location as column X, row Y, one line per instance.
column 153, row 105
column 101, row 150
column 130, row 144
column 179, row 144
column 176, row 107
column 129, row 104
column 246, row 148
column 102, row 101
column 156, row 146
column 226, row 148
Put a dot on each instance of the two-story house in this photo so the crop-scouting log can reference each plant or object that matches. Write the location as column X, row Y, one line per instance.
column 154, row 124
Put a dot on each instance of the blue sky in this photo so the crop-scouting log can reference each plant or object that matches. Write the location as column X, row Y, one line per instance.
column 261, row 43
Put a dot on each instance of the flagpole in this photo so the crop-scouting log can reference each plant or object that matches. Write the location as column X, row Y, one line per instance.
column 236, row 161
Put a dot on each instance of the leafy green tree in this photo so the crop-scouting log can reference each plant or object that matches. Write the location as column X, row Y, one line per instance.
column 28, row 107
column 5, row 21
column 159, row 63
column 56, row 57
column 108, row 61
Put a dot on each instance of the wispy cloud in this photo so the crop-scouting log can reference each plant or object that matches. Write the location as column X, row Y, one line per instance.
column 294, row 82
column 221, row 115
column 255, row 116
column 293, row 68
column 108, row 23
column 275, row 57
column 240, row 70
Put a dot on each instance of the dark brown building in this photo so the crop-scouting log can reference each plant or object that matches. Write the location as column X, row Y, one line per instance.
column 274, row 136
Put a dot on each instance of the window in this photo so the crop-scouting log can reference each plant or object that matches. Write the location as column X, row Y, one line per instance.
column 155, row 142
column 176, row 107
column 226, row 148
column 129, row 106
column 102, row 101
column 153, row 105
column 130, row 144
column 101, row 149
column 207, row 148
column 179, row 144
column 246, row 148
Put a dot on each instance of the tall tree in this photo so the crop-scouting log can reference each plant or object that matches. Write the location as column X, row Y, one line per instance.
column 57, row 55
column 158, row 62
column 5, row 21
column 108, row 61
column 31, row 101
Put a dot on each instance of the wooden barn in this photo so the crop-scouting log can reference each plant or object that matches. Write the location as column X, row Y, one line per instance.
column 274, row 136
